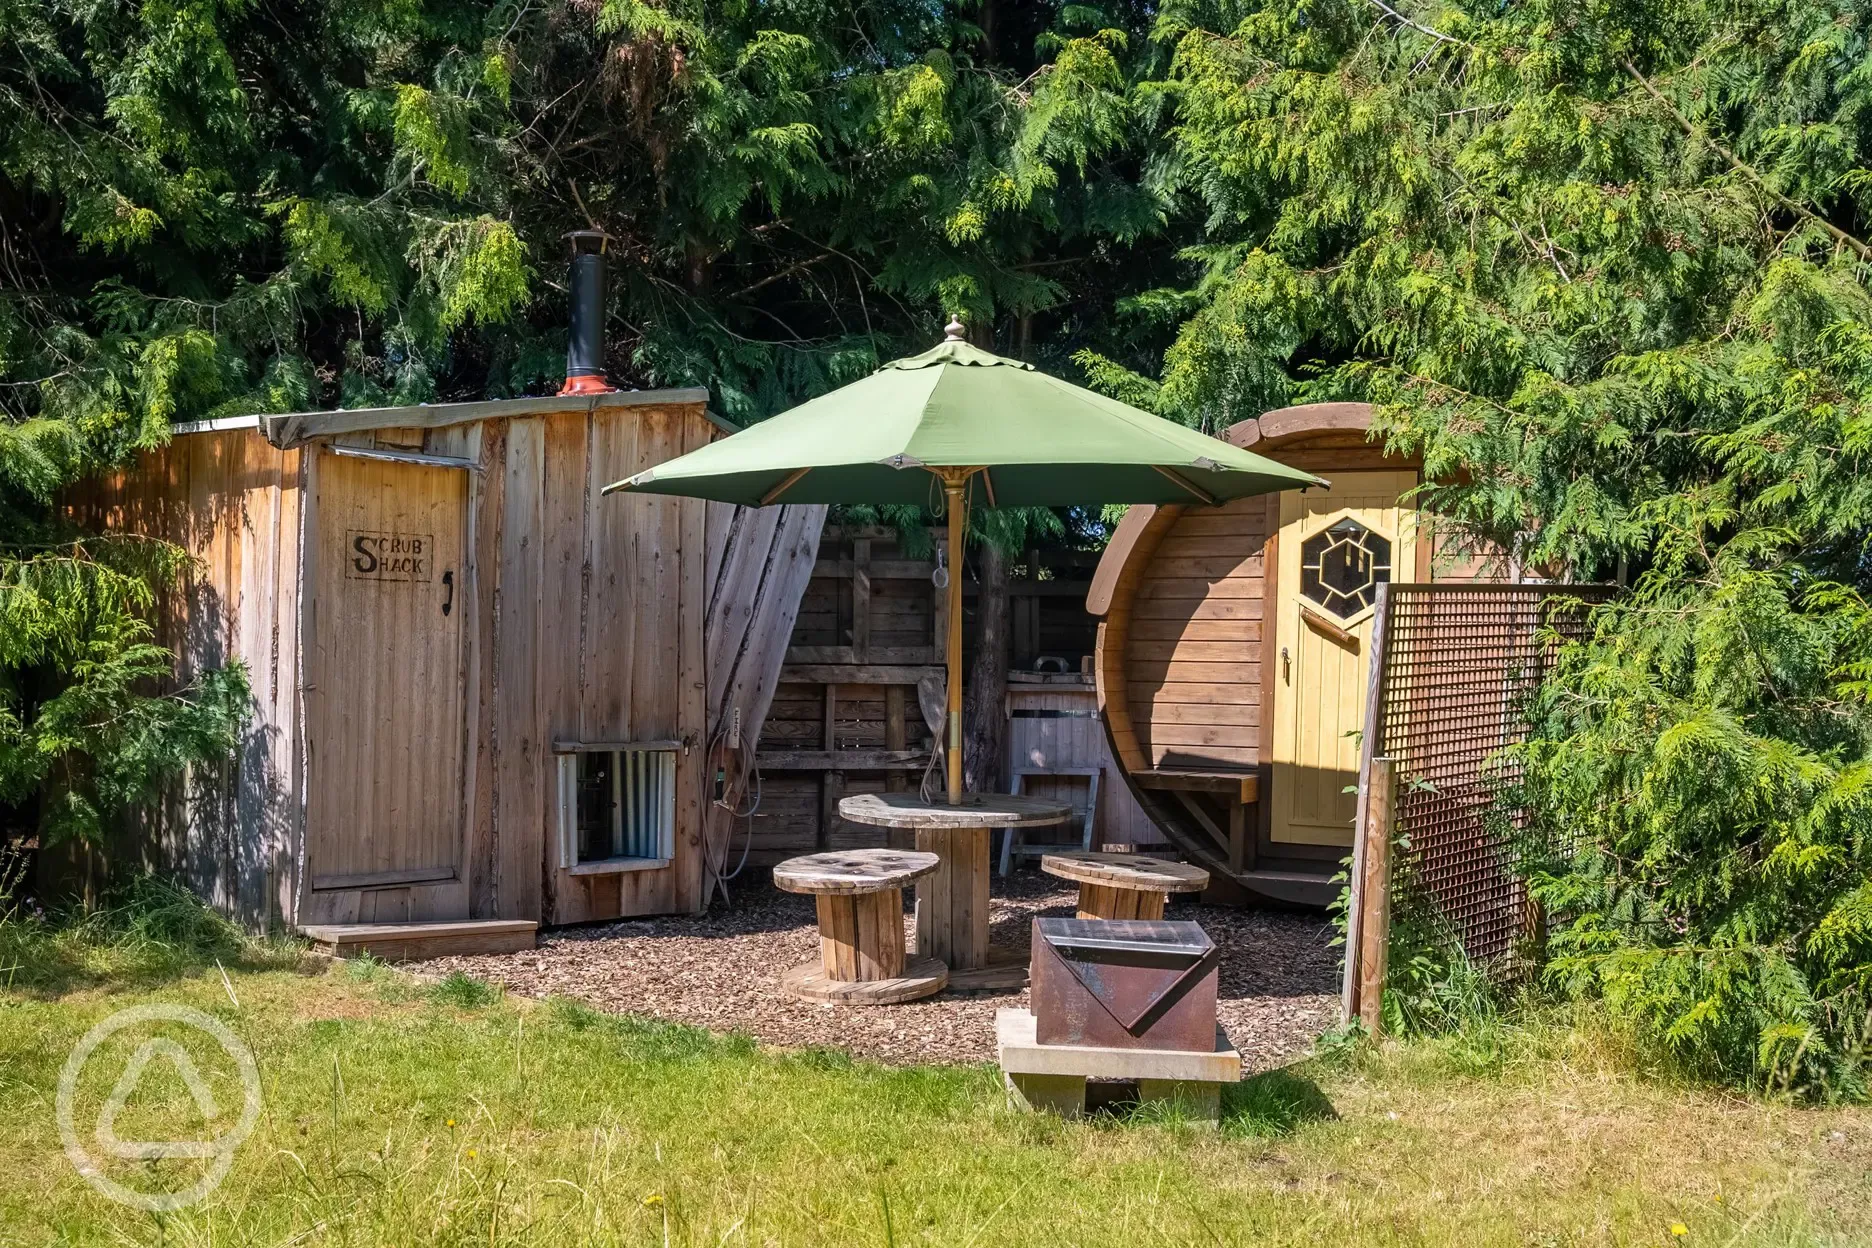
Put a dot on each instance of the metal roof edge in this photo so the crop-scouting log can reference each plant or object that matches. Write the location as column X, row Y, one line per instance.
column 293, row 427
column 218, row 425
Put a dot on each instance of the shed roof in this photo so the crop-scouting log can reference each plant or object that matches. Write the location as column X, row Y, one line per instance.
column 288, row 428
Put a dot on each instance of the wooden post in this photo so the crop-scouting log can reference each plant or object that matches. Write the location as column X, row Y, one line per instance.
column 896, row 740
column 861, row 600
column 1374, row 893
column 939, row 628
column 1368, row 748
column 831, row 783
column 955, row 489
column 1027, row 620
column 896, row 723
column 1240, row 839
column 984, row 689
column 831, row 792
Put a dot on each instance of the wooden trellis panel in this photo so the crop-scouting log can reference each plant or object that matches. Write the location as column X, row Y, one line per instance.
column 1453, row 665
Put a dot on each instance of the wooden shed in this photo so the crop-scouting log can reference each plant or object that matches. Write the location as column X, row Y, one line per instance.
column 482, row 690
column 1234, row 642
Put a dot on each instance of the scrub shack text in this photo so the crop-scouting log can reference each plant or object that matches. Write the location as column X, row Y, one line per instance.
column 374, row 556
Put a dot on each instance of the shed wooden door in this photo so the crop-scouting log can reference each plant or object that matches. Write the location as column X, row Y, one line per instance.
column 1335, row 547
column 385, row 697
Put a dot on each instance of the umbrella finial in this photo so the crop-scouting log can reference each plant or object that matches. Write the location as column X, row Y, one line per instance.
column 954, row 331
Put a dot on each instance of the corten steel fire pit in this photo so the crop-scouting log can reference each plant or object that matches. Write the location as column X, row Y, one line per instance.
column 1124, row 984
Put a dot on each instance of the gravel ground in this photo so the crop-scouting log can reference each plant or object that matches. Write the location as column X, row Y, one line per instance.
column 1279, row 978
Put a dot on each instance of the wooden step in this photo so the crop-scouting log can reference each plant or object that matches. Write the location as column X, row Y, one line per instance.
column 404, row 942
column 1299, row 887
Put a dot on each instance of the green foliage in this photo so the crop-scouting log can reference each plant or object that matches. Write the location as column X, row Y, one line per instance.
column 209, row 207
column 464, row 992
column 145, row 930
column 1603, row 268
column 81, row 737
column 1273, row 1104
column 1707, row 752
column 1432, row 988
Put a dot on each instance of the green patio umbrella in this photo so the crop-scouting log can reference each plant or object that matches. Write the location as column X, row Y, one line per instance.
column 957, row 426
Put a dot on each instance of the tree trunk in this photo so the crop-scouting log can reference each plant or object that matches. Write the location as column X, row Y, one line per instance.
column 984, row 727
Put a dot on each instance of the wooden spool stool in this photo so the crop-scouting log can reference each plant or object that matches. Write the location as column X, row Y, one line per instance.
column 861, row 929
column 1124, row 886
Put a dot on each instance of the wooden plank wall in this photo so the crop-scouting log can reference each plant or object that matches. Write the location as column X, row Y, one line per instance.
column 823, row 741
column 1046, row 607
column 845, row 719
column 617, row 638
column 589, row 627
column 1128, row 730
column 233, row 502
column 1055, row 724
column 1192, row 643
column 759, row 562
column 868, row 602
column 588, row 617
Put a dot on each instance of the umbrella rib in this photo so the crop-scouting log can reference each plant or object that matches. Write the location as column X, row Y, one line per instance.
column 988, row 485
column 791, row 480
column 1189, row 485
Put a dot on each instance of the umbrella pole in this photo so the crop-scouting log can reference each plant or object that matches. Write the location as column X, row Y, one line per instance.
column 955, row 488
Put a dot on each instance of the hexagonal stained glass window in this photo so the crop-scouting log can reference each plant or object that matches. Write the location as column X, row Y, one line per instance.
column 1342, row 567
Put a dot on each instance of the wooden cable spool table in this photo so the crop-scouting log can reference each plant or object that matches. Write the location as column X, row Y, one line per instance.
column 861, row 930
column 1124, row 886
column 952, row 900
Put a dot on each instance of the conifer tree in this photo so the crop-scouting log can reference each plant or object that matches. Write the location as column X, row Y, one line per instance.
column 1603, row 266
column 212, row 208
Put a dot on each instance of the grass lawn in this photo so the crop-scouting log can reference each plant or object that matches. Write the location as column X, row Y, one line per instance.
column 398, row 1113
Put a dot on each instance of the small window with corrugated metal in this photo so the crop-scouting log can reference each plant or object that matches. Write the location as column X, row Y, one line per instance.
column 617, row 805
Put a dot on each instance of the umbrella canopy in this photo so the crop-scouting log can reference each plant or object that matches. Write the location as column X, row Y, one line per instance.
column 957, row 426
column 1042, row 441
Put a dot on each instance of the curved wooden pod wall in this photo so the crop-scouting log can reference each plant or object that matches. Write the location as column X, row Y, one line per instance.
column 1178, row 657
column 1184, row 639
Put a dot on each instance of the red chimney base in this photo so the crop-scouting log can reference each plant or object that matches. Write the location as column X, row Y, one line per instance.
column 587, row 384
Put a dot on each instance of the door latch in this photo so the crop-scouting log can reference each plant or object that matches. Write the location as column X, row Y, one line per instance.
column 448, row 583
column 1286, row 666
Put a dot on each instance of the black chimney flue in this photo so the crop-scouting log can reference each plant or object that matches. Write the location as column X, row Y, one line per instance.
column 585, row 344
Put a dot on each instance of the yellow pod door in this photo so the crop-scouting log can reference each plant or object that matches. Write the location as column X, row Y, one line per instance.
column 1336, row 547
